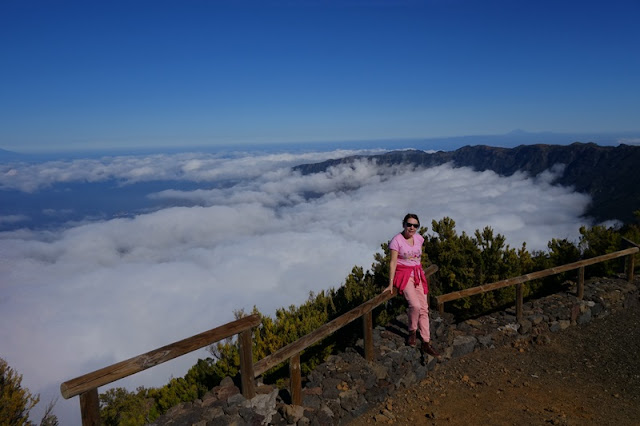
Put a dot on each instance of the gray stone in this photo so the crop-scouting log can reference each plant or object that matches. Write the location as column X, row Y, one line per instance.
column 448, row 352
column 438, row 328
column 349, row 400
column 474, row 323
column 463, row 345
column 408, row 379
column 312, row 401
column 510, row 328
column 314, row 379
column 465, row 327
column 227, row 381
column 346, row 417
column 236, row 399
column 409, row 353
column 596, row 309
column 278, row 420
column 395, row 356
column 212, row 413
column 361, row 407
column 536, row 319
column 263, row 405
column 420, row 371
column 328, row 412
column 292, row 413
column 330, row 387
column 377, row 393
column 430, row 364
column 303, row 422
column 370, row 380
column 231, row 410
column 509, row 318
column 234, row 420
column 525, row 326
column 381, row 372
column 584, row 318
column 485, row 340
column 222, row 392
column 250, row 417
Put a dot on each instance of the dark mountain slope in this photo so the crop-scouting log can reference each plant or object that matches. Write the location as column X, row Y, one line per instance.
column 608, row 174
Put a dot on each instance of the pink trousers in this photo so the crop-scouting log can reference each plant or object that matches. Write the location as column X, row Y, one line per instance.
column 418, row 311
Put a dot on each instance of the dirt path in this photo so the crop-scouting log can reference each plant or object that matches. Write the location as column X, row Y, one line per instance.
column 584, row 375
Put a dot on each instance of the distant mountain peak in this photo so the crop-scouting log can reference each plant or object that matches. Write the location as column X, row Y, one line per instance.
column 608, row 174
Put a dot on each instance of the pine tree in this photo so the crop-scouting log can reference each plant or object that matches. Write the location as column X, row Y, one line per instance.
column 15, row 401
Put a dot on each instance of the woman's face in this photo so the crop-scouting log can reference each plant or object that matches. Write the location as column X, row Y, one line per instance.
column 411, row 226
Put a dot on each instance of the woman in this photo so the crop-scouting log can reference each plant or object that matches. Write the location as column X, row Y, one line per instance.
column 407, row 275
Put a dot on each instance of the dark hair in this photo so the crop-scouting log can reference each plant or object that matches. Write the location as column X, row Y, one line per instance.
column 410, row 216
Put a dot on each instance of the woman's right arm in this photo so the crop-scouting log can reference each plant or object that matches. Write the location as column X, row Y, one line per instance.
column 393, row 263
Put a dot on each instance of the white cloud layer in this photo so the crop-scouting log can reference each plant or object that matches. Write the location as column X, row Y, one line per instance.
column 196, row 167
column 80, row 298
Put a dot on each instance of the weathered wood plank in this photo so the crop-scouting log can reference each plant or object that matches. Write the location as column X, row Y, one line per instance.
column 90, row 408
column 533, row 276
column 581, row 283
column 519, row 301
column 139, row 363
column 295, row 380
column 367, row 325
column 318, row 334
column 246, row 364
column 631, row 243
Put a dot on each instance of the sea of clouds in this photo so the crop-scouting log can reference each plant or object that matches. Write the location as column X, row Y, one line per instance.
column 85, row 294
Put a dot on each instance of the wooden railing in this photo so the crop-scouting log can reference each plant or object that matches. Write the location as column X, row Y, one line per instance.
column 87, row 385
column 292, row 351
column 518, row 281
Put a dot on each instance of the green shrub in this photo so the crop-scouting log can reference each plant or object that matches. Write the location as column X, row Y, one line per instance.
column 16, row 401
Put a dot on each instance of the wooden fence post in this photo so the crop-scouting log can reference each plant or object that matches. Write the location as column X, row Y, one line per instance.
column 630, row 267
column 581, row 283
column 367, row 324
column 519, row 298
column 90, row 408
column 295, row 378
column 246, row 364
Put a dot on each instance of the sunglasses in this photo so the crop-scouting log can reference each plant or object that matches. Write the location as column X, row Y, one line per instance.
column 414, row 225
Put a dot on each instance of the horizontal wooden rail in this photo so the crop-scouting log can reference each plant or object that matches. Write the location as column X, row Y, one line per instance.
column 139, row 363
column 533, row 276
column 631, row 243
column 318, row 334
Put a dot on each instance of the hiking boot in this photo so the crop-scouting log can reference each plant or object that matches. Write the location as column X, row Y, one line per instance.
column 426, row 347
column 411, row 338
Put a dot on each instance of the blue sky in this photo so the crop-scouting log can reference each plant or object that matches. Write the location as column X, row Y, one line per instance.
column 119, row 74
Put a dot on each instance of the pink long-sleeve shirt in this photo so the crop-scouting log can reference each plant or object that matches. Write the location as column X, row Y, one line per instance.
column 408, row 262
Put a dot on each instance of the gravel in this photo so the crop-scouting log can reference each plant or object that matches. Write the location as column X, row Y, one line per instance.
column 584, row 375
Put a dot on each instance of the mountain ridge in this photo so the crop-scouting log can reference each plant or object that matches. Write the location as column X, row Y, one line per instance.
column 607, row 173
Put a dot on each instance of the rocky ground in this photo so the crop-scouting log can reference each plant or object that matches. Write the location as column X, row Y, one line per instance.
column 566, row 362
column 587, row 375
